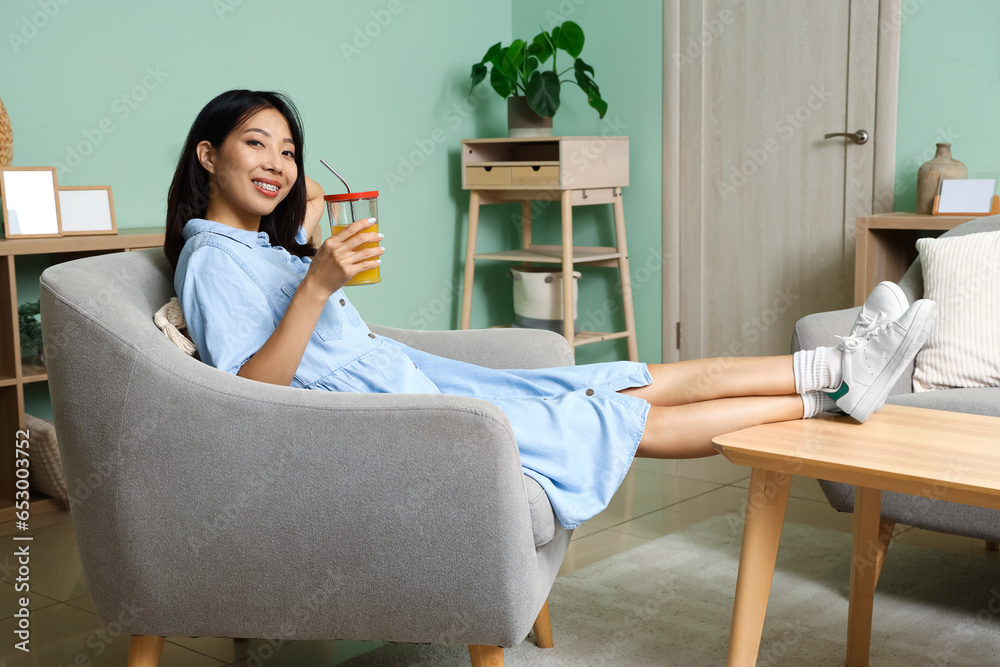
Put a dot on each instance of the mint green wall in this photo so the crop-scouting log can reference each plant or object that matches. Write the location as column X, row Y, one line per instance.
column 949, row 89
column 106, row 93
column 396, row 105
column 625, row 47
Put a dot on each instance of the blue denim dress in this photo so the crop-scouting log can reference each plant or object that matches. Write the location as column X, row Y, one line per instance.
column 576, row 435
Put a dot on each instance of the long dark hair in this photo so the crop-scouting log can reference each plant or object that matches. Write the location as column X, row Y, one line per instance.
column 191, row 188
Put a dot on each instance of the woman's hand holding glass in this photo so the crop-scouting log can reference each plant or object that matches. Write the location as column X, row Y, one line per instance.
column 341, row 257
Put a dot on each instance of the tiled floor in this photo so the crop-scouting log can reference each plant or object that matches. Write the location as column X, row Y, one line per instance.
column 657, row 498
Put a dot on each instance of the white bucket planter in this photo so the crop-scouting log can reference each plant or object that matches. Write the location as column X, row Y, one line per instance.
column 538, row 299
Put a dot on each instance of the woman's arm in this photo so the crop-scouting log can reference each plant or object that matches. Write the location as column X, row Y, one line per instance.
column 337, row 261
column 278, row 359
column 314, row 206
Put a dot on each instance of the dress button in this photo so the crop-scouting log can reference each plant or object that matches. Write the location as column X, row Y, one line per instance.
column 371, row 335
column 590, row 392
column 343, row 303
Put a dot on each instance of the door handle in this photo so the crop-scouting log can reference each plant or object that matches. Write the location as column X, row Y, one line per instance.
column 859, row 137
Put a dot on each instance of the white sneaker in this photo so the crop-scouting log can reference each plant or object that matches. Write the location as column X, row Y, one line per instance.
column 887, row 298
column 885, row 303
column 874, row 360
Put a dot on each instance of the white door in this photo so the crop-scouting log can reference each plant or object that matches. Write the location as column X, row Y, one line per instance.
column 759, row 208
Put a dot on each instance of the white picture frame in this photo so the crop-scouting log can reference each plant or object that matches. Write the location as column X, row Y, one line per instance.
column 86, row 210
column 29, row 202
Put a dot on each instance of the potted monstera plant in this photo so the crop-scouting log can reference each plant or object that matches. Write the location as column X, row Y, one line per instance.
column 520, row 73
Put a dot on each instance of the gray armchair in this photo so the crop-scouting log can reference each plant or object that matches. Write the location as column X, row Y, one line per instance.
column 226, row 507
column 929, row 513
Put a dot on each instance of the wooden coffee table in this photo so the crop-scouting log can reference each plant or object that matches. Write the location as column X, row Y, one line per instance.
column 933, row 453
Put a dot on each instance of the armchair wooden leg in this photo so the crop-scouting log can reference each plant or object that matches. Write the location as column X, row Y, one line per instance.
column 144, row 651
column 486, row 656
column 992, row 546
column 543, row 628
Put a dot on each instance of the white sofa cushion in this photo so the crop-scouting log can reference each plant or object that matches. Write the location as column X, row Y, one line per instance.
column 962, row 274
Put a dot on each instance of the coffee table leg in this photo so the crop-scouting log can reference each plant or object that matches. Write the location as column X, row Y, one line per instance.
column 765, row 515
column 865, row 566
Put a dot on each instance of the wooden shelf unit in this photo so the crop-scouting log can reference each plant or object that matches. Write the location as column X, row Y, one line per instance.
column 576, row 171
column 14, row 375
column 886, row 245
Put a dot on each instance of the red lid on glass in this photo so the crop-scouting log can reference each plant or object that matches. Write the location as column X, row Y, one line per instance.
column 352, row 196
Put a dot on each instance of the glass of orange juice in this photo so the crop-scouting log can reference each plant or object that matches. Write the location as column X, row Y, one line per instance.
column 348, row 208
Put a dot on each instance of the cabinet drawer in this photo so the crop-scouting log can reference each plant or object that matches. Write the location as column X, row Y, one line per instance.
column 487, row 176
column 544, row 176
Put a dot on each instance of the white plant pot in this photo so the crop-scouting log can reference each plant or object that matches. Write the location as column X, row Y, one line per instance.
column 538, row 299
column 523, row 122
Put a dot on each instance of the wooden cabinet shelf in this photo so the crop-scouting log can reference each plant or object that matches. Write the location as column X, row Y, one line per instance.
column 15, row 374
column 553, row 254
column 584, row 337
column 577, row 171
column 532, row 163
column 885, row 246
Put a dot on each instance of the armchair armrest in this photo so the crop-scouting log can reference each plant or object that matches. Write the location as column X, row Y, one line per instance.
column 300, row 514
column 822, row 329
column 493, row 348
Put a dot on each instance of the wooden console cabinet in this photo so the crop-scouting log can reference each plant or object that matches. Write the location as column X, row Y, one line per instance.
column 886, row 245
column 13, row 374
column 575, row 171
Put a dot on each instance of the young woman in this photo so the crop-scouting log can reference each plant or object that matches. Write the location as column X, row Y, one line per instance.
column 262, row 303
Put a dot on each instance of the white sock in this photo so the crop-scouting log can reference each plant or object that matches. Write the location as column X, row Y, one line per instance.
column 817, row 369
column 815, row 402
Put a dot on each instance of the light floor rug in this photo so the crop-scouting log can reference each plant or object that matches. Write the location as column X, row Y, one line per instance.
column 669, row 602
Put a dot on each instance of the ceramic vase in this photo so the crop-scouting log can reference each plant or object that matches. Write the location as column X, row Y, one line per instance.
column 6, row 139
column 931, row 173
column 523, row 122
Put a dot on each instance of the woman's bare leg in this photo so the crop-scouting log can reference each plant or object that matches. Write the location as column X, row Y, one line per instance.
column 698, row 380
column 686, row 431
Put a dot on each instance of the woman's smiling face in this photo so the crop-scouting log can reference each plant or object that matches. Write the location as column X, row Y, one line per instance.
column 252, row 171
